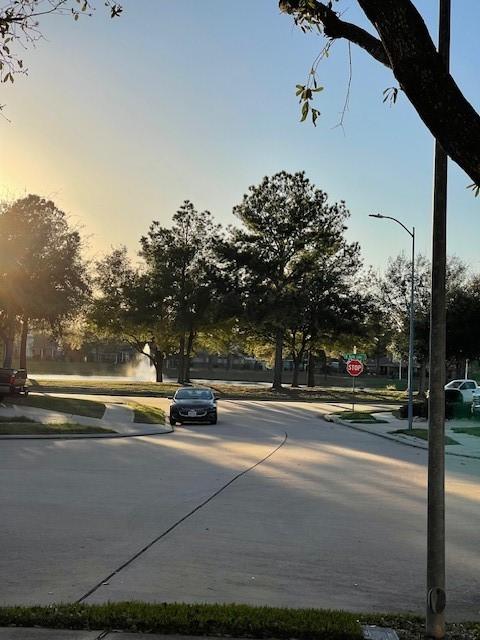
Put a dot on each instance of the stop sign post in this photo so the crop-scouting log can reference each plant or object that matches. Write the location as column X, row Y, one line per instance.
column 354, row 368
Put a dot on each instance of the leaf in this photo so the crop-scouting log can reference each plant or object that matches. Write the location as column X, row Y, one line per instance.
column 305, row 110
column 475, row 188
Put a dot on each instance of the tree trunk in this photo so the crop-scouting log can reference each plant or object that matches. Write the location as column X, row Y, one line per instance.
column 296, row 366
column 188, row 359
column 278, row 366
column 458, row 368
column 311, row 370
column 158, row 363
column 181, row 359
column 9, row 341
column 422, row 378
column 23, row 344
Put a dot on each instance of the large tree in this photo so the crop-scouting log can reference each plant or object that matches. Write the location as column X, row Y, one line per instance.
column 130, row 305
column 324, row 303
column 288, row 229
column 182, row 260
column 391, row 292
column 401, row 41
column 43, row 277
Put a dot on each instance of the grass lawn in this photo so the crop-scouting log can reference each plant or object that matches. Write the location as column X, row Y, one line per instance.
column 191, row 619
column 79, row 407
column 364, row 417
column 221, row 620
column 25, row 427
column 147, row 415
column 471, row 431
column 422, row 434
column 227, row 391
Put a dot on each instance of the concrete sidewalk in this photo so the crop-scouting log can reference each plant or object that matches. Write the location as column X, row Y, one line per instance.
column 118, row 417
column 468, row 446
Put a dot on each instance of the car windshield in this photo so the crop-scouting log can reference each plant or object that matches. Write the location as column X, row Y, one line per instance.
column 455, row 384
column 193, row 394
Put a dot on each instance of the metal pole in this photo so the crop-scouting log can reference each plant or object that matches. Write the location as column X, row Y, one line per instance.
column 436, row 597
column 411, row 338
column 353, row 394
column 412, row 316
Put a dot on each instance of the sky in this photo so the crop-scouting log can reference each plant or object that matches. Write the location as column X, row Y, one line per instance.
column 119, row 121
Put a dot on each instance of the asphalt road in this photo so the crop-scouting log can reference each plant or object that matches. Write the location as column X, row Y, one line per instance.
column 332, row 517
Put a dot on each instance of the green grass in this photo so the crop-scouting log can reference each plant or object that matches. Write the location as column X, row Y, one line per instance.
column 191, row 619
column 227, row 620
column 146, row 414
column 37, row 428
column 422, row 434
column 364, row 417
column 77, row 406
column 226, row 391
column 471, row 431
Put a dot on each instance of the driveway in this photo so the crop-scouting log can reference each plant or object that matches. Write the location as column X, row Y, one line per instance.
column 271, row 506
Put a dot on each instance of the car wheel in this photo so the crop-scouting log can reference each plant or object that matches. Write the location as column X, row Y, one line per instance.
column 173, row 422
column 213, row 420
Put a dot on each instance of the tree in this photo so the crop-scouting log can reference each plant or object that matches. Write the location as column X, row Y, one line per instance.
column 324, row 303
column 181, row 259
column 20, row 26
column 43, row 276
column 403, row 44
column 288, row 226
column 391, row 291
column 463, row 311
column 130, row 306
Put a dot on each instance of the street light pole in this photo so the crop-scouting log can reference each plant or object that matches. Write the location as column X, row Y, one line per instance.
column 412, row 316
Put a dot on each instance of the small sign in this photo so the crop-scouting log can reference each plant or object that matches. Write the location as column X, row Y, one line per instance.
column 354, row 368
column 355, row 356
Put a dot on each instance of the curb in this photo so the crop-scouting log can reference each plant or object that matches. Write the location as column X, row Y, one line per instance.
column 415, row 442
column 86, row 436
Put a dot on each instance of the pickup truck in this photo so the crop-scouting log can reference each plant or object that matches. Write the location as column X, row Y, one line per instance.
column 13, row 381
column 466, row 387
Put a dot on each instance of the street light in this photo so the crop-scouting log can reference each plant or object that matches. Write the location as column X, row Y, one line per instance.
column 412, row 311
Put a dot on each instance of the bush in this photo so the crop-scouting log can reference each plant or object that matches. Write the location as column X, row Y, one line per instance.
column 420, row 409
column 454, row 407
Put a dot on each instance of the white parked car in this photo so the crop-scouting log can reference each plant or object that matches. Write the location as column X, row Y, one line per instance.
column 467, row 388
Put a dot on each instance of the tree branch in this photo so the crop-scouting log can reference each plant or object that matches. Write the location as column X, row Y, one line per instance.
column 333, row 27
column 407, row 48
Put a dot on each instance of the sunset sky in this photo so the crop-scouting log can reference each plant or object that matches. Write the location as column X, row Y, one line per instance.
column 121, row 120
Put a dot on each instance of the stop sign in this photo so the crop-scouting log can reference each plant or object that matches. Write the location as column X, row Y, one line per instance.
column 354, row 368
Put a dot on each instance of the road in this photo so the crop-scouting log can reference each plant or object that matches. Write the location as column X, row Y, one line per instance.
column 271, row 506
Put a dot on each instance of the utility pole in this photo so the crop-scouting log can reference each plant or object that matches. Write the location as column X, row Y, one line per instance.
column 436, row 597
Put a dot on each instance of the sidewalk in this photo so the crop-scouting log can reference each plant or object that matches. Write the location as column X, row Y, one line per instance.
column 468, row 446
column 118, row 417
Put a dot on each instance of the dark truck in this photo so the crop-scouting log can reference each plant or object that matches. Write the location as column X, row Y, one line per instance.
column 13, row 381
